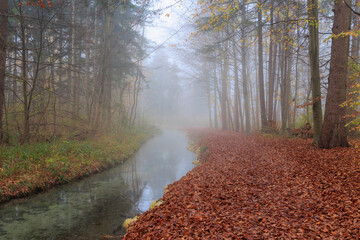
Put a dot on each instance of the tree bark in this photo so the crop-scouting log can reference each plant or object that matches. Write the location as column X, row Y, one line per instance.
column 3, row 35
column 282, row 89
column 224, row 79
column 272, row 64
column 296, row 86
column 26, row 133
column 261, row 69
column 216, row 125
column 243, row 71
column 285, row 83
column 236, row 92
column 314, row 67
column 87, row 61
column 333, row 132
column 355, row 39
column 208, row 91
column 74, row 81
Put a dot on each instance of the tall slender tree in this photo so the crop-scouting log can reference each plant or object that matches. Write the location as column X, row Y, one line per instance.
column 261, row 67
column 244, row 77
column 314, row 67
column 3, row 35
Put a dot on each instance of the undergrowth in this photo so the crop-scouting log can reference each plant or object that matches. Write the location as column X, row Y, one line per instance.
column 29, row 168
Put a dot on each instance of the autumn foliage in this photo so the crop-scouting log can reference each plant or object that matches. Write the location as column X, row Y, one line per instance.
column 253, row 187
column 39, row 3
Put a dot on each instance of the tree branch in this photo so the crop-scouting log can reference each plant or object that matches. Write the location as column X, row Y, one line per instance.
column 348, row 5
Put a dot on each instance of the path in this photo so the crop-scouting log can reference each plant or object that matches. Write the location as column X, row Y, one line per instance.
column 260, row 188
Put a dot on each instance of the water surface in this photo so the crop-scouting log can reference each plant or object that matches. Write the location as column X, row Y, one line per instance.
column 97, row 205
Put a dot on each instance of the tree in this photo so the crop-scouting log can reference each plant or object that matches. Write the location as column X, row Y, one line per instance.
column 3, row 34
column 244, row 72
column 261, row 67
column 314, row 67
column 53, row 86
column 272, row 64
column 333, row 132
column 224, row 86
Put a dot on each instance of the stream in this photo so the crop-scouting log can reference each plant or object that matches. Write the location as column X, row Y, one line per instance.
column 97, row 205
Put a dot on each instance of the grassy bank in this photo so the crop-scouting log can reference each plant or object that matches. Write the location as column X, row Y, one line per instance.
column 34, row 167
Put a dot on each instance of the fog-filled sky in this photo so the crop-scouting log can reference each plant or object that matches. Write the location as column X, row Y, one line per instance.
column 173, row 96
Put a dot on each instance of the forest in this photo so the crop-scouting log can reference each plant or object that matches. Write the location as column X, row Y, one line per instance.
column 85, row 84
column 262, row 65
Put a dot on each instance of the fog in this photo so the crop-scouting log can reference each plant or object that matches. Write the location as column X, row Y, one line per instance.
column 97, row 66
column 173, row 95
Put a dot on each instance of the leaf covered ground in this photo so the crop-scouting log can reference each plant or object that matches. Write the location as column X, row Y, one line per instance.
column 255, row 187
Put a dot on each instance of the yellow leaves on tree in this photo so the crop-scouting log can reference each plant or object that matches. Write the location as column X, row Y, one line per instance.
column 353, row 97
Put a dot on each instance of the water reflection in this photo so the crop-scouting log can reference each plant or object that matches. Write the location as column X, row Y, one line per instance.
column 97, row 205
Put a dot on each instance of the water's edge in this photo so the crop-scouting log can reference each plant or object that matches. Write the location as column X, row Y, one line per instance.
column 32, row 192
column 97, row 205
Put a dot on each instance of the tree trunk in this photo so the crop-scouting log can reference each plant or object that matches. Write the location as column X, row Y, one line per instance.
column 209, row 102
column 26, row 133
column 288, row 84
column 14, row 98
column 73, row 57
column 3, row 35
column 272, row 64
column 216, row 125
column 243, row 71
column 261, row 69
column 229, row 116
column 208, row 89
column 95, row 75
column 87, row 61
column 277, row 84
column 355, row 39
column 236, row 92
column 103, row 113
column 296, row 86
column 333, row 132
column 314, row 67
column 282, row 90
column 224, row 79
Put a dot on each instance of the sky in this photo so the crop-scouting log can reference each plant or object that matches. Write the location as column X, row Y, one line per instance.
column 168, row 26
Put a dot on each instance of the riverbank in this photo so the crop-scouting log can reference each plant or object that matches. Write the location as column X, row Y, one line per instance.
column 32, row 168
column 254, row 187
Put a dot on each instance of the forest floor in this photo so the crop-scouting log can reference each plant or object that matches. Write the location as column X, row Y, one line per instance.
column 256, row 187
column 27, row 169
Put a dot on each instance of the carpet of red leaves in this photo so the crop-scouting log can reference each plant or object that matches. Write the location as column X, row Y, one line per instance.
column 254, row 187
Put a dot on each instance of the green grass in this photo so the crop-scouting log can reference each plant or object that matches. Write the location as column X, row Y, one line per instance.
column 32, row 167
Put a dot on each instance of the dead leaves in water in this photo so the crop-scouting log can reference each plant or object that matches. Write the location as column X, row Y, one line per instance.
column 251, row 187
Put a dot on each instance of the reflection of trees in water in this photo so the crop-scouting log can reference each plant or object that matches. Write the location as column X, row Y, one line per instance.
column 92, row 207
column 108, row 212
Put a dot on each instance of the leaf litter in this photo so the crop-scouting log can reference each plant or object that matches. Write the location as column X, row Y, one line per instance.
column 255, row 187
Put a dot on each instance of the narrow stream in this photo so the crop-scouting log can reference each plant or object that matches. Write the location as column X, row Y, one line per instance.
column 97, row 205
